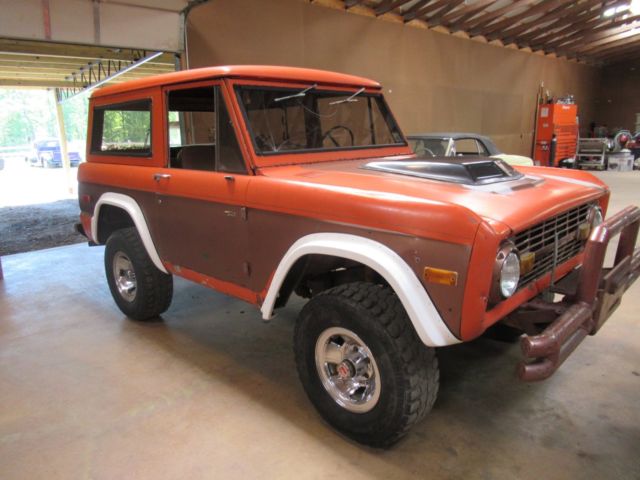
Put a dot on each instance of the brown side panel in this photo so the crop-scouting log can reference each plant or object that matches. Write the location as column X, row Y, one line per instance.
column 145, row 200
column 271, row 234
column 204, row 236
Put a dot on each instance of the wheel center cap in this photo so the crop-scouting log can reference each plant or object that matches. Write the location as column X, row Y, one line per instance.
column 345, row 370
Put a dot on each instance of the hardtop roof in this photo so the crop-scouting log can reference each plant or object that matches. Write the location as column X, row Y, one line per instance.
column 258, row 72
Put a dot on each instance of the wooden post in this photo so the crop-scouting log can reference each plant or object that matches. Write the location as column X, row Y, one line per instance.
column 62, row 139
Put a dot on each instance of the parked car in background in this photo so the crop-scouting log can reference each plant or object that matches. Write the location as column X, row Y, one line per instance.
column 461, row 144
column 47, row 153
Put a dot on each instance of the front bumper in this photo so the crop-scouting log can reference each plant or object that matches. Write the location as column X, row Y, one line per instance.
column 596, row 293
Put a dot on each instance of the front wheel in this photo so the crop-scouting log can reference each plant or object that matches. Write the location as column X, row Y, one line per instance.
column 362, row 364
column 141, row 291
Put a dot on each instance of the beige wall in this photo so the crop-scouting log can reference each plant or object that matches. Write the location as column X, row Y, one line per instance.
column 620, row 99
column 433, row 81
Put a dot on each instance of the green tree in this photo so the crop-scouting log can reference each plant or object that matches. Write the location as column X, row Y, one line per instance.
column 27, row 114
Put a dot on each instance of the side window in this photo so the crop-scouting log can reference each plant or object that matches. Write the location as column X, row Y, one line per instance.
column 483, row 150
column 122, row 129
column 201, row 136
column 466, row 146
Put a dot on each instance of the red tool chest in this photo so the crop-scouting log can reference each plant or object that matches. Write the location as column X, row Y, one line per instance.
column 559, row 119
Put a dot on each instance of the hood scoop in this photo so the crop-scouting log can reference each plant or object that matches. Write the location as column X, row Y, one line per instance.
column 465, row 171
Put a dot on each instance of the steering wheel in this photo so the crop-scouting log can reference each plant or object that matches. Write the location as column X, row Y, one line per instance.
column 328, row 134
column 290, row 143
column 420, row 151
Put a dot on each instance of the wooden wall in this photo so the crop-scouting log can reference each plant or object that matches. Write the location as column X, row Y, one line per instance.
column 620, row 99
column 433, row 81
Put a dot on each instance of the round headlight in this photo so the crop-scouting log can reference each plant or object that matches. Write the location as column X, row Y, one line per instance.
column 595, row 216
column 509, row 274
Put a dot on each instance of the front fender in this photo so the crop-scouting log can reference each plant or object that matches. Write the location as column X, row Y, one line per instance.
column 423, row 314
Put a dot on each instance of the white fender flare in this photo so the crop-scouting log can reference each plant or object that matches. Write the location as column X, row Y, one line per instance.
column 130, row 206
column 423, row 314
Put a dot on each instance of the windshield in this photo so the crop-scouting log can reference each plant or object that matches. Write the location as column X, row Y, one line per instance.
column 283, row 120
column 429, row 147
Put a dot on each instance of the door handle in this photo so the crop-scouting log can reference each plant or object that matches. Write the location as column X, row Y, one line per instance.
column 161, row 176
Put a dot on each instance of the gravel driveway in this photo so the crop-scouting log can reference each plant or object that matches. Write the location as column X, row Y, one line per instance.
column 34, row 227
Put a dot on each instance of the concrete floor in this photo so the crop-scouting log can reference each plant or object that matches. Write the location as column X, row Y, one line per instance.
column 212, row 392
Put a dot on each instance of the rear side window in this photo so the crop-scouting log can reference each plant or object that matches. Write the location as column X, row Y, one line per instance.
column 122, row 129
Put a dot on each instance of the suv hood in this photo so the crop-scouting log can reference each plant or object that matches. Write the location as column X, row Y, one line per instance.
column 517, row 201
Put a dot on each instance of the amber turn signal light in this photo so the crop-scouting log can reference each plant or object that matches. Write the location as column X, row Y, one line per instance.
column 443, row 277
column 526, row 262
column 584, row 229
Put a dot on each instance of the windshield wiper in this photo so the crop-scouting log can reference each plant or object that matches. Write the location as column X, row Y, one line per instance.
column 296, row 95
column 352, row 98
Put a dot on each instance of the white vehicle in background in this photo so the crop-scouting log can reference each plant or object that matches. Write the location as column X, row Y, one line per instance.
column 461, row 145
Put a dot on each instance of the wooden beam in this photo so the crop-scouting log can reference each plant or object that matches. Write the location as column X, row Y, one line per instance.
column 489, row 17
column 633, row 45
column 410, row 13
column 540, row 19
column 569, row 22
column 611, row 40
column 67, row 69
column 465, row 12
column 633, row 37
column 574, row 13
column 593, row 27
column 540, row 8
column 601, row 34
column 472, row 11
column 352, row 3
column 436, row 18
column 72, row 51
column 432, row 7
column 66, row 61
column 17, row 83
column 573, row 31
column 388, row 5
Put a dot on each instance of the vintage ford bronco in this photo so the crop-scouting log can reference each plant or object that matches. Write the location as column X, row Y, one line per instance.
column 261, row 182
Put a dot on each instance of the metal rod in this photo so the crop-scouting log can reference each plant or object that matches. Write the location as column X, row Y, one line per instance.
column 116, row 74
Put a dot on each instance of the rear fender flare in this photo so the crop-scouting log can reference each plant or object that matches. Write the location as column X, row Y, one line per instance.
column 130, row 206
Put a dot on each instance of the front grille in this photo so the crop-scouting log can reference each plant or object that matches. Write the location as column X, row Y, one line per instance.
column 540, row 239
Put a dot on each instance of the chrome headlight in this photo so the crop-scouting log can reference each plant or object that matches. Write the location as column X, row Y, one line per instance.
column 506, row 272
column 510, row 274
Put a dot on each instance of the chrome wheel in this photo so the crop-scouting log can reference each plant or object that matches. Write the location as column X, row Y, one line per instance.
column 347, row 370
column 124, row 277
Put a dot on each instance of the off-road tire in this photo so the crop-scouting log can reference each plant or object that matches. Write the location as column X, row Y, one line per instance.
column 409, row 375
column 154, row 289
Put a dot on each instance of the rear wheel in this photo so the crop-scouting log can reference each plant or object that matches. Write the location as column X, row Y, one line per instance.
column 140, row 290
column 362, row 364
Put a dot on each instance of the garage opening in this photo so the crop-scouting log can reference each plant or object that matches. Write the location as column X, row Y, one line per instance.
column 44, row 88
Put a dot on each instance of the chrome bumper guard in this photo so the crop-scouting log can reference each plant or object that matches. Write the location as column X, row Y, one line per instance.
column 598, row 293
